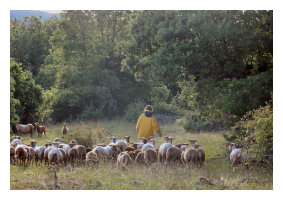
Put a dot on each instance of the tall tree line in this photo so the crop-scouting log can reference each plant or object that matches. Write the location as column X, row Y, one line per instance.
column 93, row 64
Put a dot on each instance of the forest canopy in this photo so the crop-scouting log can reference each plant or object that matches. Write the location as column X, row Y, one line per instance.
column 214, row 65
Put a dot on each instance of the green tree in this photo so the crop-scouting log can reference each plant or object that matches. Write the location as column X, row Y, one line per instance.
column 25, row 97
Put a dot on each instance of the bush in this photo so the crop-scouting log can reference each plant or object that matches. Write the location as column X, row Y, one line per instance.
column 168, row 109
column 254, row 133
column 192, row 121
column 87, row 136
column 134, row 111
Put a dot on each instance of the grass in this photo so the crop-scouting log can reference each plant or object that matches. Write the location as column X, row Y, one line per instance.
column 217, row 173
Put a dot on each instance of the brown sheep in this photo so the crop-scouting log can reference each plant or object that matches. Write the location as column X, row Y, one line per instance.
column 189, row 157
column 82, row 152
column 12, row 153
column 200, row 156
column 73, row 154
column 21, row 128
column 173, row 154
column 31, row 154
column 150, row 156
column 64, row 154
column 65, row 130
column 40, row 130
column 123, row 160
column 140, row 158
column 91, row 158
column 22, row 155
column 129, row 148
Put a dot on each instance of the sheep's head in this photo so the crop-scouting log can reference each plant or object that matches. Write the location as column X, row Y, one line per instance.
column 135, row 145
column 171, row 139
column 166, row 138
column 36, row 124
column 193, row 142
column 144, row 140
column 127, row 139
column 73, row 142
column 64, row 124
column 152, row 141
column 232, row 145
column 56, row 144
column 112, row 139
column 178, row 146
column 72, row 145
column 196, row 146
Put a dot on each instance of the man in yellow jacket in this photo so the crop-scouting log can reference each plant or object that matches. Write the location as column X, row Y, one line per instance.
column 147, row 124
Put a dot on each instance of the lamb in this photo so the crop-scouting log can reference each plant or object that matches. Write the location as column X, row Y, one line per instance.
column 236, row 156
column 150, row 144
column 91, row 158
column 124, row 143
column 123, row 160
column 200, row 155
column 143, row 141
column 22, row 155
column 173, row 154
column 21, row 128
column 150, row 156
column 65, row 130
column 140, row 158
column 189, row 157
column 163, row 148
column 73, row 154
column 55, row 156
column 40, row 130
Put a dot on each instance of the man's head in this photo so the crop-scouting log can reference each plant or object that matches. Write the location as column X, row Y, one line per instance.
column 148, row 108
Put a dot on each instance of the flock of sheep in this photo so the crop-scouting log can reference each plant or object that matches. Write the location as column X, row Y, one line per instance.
column 122, row 152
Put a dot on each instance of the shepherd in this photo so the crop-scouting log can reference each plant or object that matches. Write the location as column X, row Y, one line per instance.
column 147, row 124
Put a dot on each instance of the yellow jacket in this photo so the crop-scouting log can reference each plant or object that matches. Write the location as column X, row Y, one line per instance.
column 146, row 126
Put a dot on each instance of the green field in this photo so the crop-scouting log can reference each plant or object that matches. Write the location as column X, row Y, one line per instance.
column 217, row 173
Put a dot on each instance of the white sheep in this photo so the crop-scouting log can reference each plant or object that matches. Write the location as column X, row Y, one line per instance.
column 55, row 156
column 163, row 148
column 143, row 141
column 124, row 143
column 39, row 152
column 150, row 144
column 103, row 152
column 46, row 152
column 16, row 139
column 236, row 156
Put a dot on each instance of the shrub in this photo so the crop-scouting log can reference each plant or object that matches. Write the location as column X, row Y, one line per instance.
column 168, row 109
column 134, row 110
column 87, row 136
column 254, row 133
column 192, row 121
